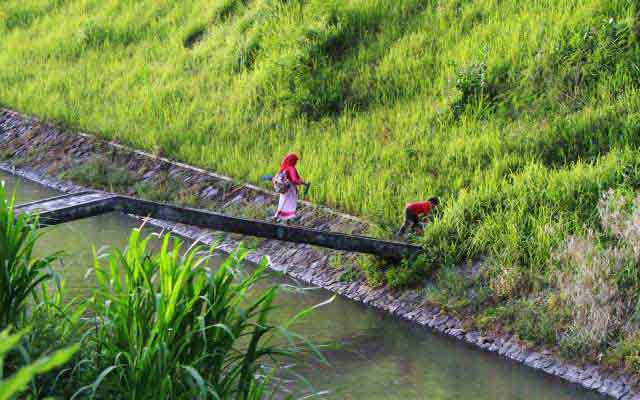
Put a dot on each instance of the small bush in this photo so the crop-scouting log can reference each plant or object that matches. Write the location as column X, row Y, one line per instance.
column 450, row 289
column 94, row 34
column 590, row 289
column 164, row 189
column 471, row 81
column 336, row 261
column 255, row 211
column 18, row 17
column 349, row 274
column 505, row 281
column 626, row 353
column 535, row 321
column 373, row 269
column 621, row 221
column 246, row 53
column 401, row 275
column 492, row 317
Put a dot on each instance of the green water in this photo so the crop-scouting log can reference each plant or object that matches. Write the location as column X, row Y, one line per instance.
column 374, row 356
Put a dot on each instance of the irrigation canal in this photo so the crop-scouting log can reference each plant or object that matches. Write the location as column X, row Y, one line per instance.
column 373, row 356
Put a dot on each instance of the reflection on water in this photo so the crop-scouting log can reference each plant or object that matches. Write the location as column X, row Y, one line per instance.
column 371, row 355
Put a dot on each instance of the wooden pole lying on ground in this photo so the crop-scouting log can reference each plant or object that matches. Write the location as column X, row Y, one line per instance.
column 82, row 205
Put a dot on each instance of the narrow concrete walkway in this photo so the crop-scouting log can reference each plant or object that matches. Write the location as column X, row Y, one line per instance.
column 75, row 206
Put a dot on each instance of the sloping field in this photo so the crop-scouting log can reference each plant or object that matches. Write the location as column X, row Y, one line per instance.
column 519, row 114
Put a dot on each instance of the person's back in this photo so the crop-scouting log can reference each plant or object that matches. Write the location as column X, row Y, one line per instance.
column 420, row 208
column 413, row 212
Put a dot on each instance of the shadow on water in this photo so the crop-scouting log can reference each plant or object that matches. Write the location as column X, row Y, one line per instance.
column 371, row 355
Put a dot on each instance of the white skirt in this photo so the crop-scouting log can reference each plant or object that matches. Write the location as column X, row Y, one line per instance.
column 288, row 204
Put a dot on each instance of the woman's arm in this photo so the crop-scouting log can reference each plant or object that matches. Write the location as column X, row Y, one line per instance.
column 294, row 177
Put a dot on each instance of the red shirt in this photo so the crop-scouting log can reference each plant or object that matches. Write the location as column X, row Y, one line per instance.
column 420, row 208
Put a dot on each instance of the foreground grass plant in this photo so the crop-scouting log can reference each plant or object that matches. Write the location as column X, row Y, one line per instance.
column 14, row 385
column 21, row 272
column 31, row 299
column 167, row 327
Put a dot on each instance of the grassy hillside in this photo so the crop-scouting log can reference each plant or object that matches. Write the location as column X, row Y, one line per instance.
column 519, row 114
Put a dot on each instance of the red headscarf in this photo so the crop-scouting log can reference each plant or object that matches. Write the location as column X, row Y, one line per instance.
column 290, row 160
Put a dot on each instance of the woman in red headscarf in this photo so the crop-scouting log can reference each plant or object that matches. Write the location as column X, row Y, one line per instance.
column 289, row 200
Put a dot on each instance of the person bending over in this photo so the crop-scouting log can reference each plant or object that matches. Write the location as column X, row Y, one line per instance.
column 414, row 212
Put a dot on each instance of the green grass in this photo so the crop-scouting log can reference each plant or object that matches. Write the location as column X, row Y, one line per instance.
column 519, row 115
column 386, row 101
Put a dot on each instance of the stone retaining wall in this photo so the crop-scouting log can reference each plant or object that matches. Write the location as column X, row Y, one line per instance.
column 43, row 153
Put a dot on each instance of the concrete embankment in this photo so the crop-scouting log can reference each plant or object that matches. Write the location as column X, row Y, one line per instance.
column 49, row 155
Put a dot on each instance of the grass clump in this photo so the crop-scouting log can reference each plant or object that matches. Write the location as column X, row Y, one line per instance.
column 451, row 289
column 174, row 329
column 31, row 304
column 101, row 173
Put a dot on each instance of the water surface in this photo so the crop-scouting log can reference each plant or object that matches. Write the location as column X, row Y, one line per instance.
column 373, row 355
